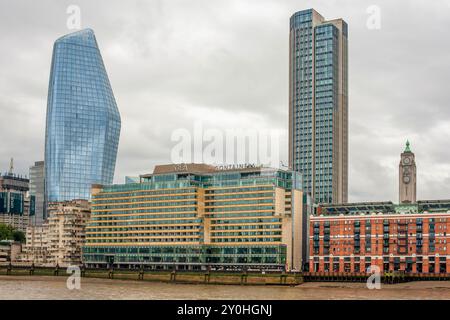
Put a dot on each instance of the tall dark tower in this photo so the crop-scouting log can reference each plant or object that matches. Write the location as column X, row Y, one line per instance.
column 407, row 177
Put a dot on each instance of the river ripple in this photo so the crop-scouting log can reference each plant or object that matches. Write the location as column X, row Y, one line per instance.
column 40, row 287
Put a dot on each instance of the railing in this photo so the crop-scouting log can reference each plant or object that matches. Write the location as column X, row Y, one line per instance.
column 241, row 276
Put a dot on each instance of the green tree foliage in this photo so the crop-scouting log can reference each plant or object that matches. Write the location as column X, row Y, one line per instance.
column 7, row 232
column 19, row 236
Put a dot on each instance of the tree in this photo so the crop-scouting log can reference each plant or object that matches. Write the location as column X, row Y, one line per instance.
column 18, row 236
column 7, row 232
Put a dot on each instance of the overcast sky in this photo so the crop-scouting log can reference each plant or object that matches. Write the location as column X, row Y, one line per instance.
column 226, row 62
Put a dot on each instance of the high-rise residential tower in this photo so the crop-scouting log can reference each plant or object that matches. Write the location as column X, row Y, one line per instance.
column 83, row 122
column 318, row 105
column 37, row 189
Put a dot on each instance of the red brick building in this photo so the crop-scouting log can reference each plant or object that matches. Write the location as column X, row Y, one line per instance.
column 406, row 237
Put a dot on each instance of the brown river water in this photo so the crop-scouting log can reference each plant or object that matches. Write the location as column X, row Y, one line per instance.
column 41, row 287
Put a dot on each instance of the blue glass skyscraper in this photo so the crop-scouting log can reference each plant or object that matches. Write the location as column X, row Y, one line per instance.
column 83, row 122
column 318, row 105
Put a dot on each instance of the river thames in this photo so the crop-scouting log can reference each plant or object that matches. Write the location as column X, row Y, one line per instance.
column 42, row 287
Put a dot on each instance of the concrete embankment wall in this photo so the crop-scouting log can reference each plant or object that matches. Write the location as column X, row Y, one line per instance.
column 217, row 277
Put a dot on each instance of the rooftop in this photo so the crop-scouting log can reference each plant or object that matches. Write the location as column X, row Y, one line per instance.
column 201, row 168
column 384, row 207
column 85, row 37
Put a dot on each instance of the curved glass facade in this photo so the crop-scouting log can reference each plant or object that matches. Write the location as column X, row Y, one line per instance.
column 83, row 122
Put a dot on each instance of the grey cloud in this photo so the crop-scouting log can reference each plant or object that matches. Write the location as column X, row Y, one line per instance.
column 166, row 59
